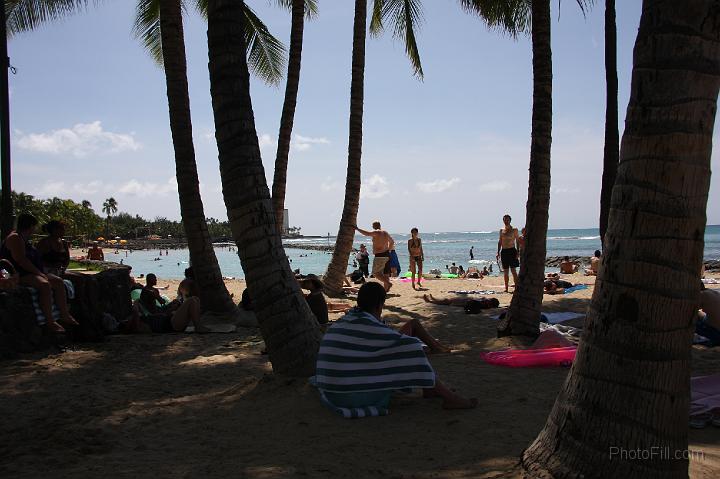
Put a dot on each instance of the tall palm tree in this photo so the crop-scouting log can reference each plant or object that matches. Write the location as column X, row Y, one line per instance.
column 300, row 9
column 629, row 386
column 6, row 210
column 611, row 152
column 523, row 315
column 110, row 207
column 291, row 333
column 214, row 295
column 346, row 233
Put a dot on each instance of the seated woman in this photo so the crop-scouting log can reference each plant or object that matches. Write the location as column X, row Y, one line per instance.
column 567, row 266
column 316, row 299
column 708, row 322
column 164, row 316
column 26, row 260
column 55, row 252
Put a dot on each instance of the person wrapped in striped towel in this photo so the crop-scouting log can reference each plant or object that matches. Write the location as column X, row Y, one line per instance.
column 362, row 361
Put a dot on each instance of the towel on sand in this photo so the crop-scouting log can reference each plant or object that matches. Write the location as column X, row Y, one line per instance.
column 577, row 287
column 360, row 354
column 474, row 291
column 553, row 318
column 704, row 394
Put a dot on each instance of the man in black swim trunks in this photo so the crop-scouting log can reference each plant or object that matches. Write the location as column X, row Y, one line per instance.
column 508, row 252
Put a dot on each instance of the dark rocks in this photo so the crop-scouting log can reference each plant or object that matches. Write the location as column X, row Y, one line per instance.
column 554, row 261
column 712, row 265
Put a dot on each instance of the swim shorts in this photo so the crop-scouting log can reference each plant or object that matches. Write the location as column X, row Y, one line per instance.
column 414, row 261
column 509, row 258
column 379, row 262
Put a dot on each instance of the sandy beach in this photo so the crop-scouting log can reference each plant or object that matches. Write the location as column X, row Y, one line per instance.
column 189, row 405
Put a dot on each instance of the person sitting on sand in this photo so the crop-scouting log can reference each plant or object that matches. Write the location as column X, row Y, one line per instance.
column 316, row 299
column 361, row 341
column 460, row 301
column 165, row 316
column 461, row 272
column 417, row 256
column 26, row 260
column 382, row 244
column 452, row 269
column 473, row 273
column 594, row 264
column 95, row 253
column 54, row 250
column 567, row 266
column 485, row 271
column 708, row 321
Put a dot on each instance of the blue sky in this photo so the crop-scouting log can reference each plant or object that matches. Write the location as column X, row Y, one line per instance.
column 450, row 153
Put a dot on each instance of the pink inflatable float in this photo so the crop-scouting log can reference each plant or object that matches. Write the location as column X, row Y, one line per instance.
column 525, row 358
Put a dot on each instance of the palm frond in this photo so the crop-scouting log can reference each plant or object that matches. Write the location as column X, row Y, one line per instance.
column 25, row 15
column 508, row 16
column 266, row 54
column 146, row 28
column 405, row 16
column 311, row 7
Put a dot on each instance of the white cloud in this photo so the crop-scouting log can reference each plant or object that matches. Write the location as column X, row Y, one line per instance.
column 494, row 186
column 81, row 140
column 563, row 190
column 437, row 186
column 303, row 143
column 375, row 187
column 265, row 140
column 134, row 187
column 52, row 188
column 329, row 185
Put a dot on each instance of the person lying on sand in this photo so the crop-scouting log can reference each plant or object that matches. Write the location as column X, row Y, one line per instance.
column 567, row 266
column 708, row 322
column 556, row 286
column 460, row 301
column 594, row 264
column 361, row 341
column 473, row 273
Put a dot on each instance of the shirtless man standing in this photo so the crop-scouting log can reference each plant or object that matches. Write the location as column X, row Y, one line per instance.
column 382, row 244
column 508, row 251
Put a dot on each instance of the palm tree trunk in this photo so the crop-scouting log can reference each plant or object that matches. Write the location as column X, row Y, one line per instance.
column 612, row 136
column 6, row 210
column 629, row 386
column 291, row 333
column 288, row 112
column 346, row 234
column 523, row 316
column 214, row 295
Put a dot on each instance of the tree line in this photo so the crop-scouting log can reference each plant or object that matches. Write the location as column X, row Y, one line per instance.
column 82, row 221
column 636, row 348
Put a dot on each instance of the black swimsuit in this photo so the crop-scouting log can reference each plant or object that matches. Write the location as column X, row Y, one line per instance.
column 30, row 253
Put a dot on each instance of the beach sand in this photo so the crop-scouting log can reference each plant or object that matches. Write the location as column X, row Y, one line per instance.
column 188, row 405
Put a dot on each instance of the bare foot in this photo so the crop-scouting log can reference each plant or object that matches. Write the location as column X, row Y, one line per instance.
column 55, row 327
column 459, row 402
column 69, row 321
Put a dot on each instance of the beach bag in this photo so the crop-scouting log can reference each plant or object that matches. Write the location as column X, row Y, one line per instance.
column 475, row 306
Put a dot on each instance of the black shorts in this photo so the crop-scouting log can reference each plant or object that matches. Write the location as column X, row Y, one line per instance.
column 509, row 258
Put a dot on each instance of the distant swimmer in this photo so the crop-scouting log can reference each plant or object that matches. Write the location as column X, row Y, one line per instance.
column 472, row 255
column 508, row 250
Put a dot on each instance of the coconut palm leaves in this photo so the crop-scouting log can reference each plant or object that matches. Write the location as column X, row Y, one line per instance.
column 265, row 53
column 404, row 16
column 24, row 15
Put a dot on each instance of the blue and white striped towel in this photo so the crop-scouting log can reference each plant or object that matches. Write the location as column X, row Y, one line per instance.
column 69, row 290
column 359, row 353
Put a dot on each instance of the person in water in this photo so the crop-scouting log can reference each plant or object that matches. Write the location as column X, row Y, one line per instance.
column 508, row 252
column 54, row 250
column 382, row 244
column 472, row 255
column 27, row 261
column 417, row 256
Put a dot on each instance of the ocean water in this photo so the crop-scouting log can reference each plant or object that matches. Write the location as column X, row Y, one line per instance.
column 441, row 249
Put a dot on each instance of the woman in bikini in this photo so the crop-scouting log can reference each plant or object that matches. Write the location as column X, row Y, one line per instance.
column 54, row 250
column 416, row 257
